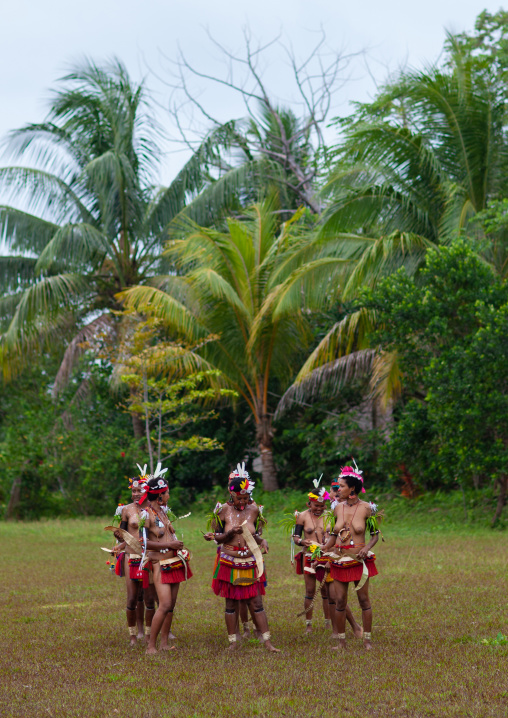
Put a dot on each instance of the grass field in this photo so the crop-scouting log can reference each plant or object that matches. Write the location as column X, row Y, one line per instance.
column 439, row 593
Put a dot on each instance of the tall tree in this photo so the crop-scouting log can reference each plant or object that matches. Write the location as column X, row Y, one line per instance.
column 88, row 219
column 250, row 287
column 413, row 168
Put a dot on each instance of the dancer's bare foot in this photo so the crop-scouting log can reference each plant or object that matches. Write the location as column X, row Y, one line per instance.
column 367, row 644
column 171, row 636
column 341, row 645
column 308, row 628
column 151, row 651
column 270, row 648
column 259, row 635
column 246, row 631
column 141, row 636
column 233, row 646
column 133, row 641
column 168, row 648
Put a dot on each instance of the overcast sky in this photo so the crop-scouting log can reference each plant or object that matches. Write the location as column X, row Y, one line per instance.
column 40, row 40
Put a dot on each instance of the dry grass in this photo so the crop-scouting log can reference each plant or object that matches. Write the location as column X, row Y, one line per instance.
column 64, row 641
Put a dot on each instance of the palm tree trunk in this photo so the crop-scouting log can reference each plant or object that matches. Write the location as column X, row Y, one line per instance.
column 501, row 497
column 264, row 437
column 13, row 498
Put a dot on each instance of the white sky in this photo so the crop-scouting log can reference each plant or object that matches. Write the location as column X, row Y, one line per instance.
column 39, row 40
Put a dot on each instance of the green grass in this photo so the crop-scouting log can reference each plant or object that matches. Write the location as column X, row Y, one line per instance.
column 441, row 591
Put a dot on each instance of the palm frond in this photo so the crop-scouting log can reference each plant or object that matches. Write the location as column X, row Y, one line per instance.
column 329, row 379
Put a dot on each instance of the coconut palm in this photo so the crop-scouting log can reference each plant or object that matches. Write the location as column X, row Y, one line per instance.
column 90, row 218
column 412, row 170
column 251, row 287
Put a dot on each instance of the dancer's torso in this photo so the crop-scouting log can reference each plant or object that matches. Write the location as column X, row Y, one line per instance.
column 234, row 517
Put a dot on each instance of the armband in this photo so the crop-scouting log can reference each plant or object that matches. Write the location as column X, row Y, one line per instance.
column 332, row 533
column 124, row 525
column 298, row 530
column 374, row 533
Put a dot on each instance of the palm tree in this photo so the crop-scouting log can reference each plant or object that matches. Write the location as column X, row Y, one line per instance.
column 251, row 287
column 412, row 170
column 90, row 219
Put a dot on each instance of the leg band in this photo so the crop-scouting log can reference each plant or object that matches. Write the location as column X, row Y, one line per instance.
column 367, row 636
column 170, row 610
column 266, row 636
column 133, row 631
column 308, row 622
column 340, row 610
column 259, row 610
column 148, row 630
column 309, row 598
column 232, row 637
column 341, row 635
column 367, row 609
column 230, row 610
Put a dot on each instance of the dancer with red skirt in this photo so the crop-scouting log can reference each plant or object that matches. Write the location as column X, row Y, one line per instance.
column 166, row 555
column 237, row 576
column 128, row 565
column 352, row 561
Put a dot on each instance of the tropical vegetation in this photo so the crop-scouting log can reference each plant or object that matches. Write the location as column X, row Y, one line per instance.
column 282, row 302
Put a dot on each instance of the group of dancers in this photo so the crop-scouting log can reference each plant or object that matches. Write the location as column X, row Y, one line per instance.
column 333, row 554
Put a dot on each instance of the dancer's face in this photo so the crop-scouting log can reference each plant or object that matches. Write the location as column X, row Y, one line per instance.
column 316, row 507
column 344, row 491
column 136, row 494
column 240, row 501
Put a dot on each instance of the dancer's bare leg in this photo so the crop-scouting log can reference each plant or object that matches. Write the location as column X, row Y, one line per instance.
column 166, row 634
column 262, row 623
column 149, row 596
column 231, row 617
column 364, row 601
column 132, row 588
column 340, row 590
column 310, row 590
column 326, row 605
column 244, row 618
column 140, row 613
column 167, row 600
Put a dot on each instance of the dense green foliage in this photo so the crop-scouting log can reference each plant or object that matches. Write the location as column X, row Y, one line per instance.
column 365, row 282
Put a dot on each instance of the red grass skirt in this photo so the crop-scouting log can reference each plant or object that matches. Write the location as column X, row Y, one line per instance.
column 236, row 579
column 135, row 573
column 175, row 572
column 352, row 571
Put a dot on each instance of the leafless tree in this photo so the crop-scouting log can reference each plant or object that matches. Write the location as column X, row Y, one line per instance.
column 284, row 140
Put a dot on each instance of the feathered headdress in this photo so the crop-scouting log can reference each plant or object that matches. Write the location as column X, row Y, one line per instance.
column 246, row 486
column 354, row 472
column 161, row 485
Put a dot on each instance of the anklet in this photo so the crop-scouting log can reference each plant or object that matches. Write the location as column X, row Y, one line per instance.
column 308, row 622
column 232, row 637
column 133, row 631
column 266, row 636
column 341, row 635
column 366, row 636
column 148, row 630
